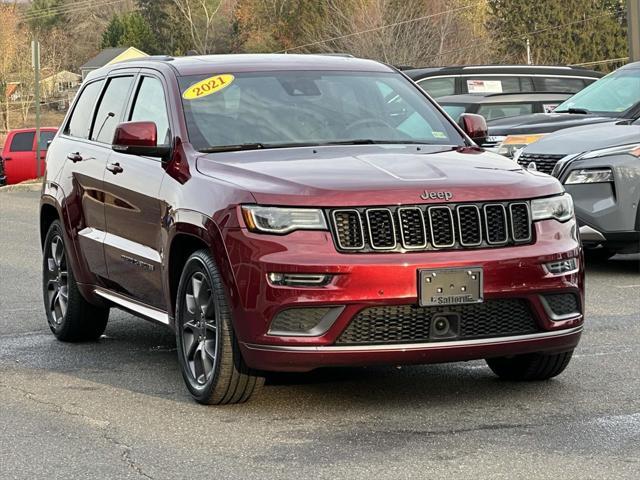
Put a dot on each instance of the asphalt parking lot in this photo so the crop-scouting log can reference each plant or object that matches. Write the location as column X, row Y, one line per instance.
column 118, row 408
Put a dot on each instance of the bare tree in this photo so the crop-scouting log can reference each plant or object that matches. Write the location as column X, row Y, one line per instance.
column 200, row 16
column 9, row 39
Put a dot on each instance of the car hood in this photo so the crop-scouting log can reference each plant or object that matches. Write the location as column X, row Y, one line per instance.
column 374, row 175
column 543, row 123
column 585, row 139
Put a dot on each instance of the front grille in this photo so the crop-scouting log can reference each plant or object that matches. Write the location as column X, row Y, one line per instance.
column 431, row 227
column 412, row 324
column 544, row 163
column 563, row 303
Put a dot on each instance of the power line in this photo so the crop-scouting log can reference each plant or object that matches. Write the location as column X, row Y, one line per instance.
column 68, row 8
column 601, row 62
column 395, row 24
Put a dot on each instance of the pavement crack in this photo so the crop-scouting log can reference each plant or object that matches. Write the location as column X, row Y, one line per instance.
column 126, row 456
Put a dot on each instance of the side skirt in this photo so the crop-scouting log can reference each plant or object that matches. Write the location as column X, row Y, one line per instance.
column 133, row 306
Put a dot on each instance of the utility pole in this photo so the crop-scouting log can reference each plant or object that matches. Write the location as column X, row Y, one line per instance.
column 35, row 51
column 529, row 52
column 633, row 29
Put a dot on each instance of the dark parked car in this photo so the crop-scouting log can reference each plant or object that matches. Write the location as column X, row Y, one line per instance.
column 614, row 98
column 600, row 167
column 280, row 214
column 501, row 105
column 442, row 81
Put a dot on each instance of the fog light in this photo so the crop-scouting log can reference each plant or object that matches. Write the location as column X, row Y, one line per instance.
column 299, row 279
column 562, row 267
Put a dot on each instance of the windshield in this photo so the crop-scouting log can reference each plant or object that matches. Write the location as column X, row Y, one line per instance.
column 612, row 95
column 309, row 108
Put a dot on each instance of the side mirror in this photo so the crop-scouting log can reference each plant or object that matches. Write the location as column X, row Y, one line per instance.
column 475, row 126
column 139, row 138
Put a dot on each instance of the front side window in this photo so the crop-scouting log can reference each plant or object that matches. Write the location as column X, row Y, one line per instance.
column 80, row 122
column 502, row 110
column 611, row 96
column 454, row 110
column 559, row 84
column 111, row 108
column 439, row 87
column 311, row 108
column 150, row 106
column 22, row 142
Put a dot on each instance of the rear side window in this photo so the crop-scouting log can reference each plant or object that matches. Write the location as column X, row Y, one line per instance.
column 22, row 142
column 439, row 87
column 111, row 108
column 80, row 122
column 503, row 110
column 45, row 138
column 559, row 84
column 151, row 106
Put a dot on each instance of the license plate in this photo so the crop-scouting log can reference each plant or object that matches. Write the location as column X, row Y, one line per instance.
column 450, row 286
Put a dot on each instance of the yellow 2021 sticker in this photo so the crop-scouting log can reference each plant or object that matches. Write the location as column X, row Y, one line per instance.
column 208, row 86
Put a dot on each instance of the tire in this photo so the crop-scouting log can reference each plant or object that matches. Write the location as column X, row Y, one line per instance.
column 532, row 366
column 208, row 352
column 69, row 316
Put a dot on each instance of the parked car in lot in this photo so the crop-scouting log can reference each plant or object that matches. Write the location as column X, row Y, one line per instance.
column 3, row 178
column 599, row 166
column 280, row 214
column 501, row 105
column 19, row 153
column 443, row 81
column 612, row 99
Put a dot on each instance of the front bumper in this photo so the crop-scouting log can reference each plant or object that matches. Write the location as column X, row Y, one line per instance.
column 390, row 279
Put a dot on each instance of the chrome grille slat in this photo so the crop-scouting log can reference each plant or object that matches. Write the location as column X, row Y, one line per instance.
column 544, row 162
column 431, row 227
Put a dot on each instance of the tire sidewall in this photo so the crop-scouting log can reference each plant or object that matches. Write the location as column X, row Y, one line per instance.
column 54, row 230
column 196, row 264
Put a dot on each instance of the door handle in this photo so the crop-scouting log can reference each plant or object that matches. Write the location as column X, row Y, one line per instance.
column 114, row 168
column 6, row 159
column 75, row 157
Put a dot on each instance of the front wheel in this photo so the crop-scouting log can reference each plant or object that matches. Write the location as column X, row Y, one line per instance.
column 208, row 351
column 531, row 366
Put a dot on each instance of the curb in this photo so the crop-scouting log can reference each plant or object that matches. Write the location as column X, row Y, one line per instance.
column 22, row 187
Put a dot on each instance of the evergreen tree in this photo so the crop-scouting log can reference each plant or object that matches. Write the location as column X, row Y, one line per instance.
column 130, row 30
column 559, row 31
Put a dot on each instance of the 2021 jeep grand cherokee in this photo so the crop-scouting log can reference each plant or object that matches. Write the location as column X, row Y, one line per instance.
column 284, row 213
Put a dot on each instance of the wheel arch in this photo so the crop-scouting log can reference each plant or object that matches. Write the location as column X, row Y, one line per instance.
column 192, row 232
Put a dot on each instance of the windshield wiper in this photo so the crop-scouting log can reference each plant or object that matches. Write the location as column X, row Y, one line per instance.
column 582, row 111
column 369, row 141
column 255, row 146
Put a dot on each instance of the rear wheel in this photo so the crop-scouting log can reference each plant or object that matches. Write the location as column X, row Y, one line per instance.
column 70, row 317
column 532, row 366
column 208, row 351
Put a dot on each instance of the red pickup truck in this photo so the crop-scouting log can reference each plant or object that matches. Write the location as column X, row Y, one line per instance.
column 18, row 156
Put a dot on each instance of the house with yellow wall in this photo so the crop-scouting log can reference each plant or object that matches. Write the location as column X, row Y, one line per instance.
column 109, row 56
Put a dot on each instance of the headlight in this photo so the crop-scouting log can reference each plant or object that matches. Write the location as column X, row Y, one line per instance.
column 559, row 207
column 280, row 220
column 596, row 175
column 516, row 142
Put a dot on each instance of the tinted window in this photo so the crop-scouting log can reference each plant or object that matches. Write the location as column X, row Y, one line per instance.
column 111, row 108
column 80, row 122
column 45, row 138
column 439, row 87
column 492, row 84
column 22, row 142
column 316, row 107
column 454, row 111
column 526, row 84
column 559, row 84
column 151, row 106
column 501, row 110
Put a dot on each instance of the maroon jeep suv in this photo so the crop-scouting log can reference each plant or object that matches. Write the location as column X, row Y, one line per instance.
column 291, row 212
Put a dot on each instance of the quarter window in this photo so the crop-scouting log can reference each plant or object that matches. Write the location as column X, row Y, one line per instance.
column 22, row 142
column 151, row 106
column 111, row 108
column 80, row 122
